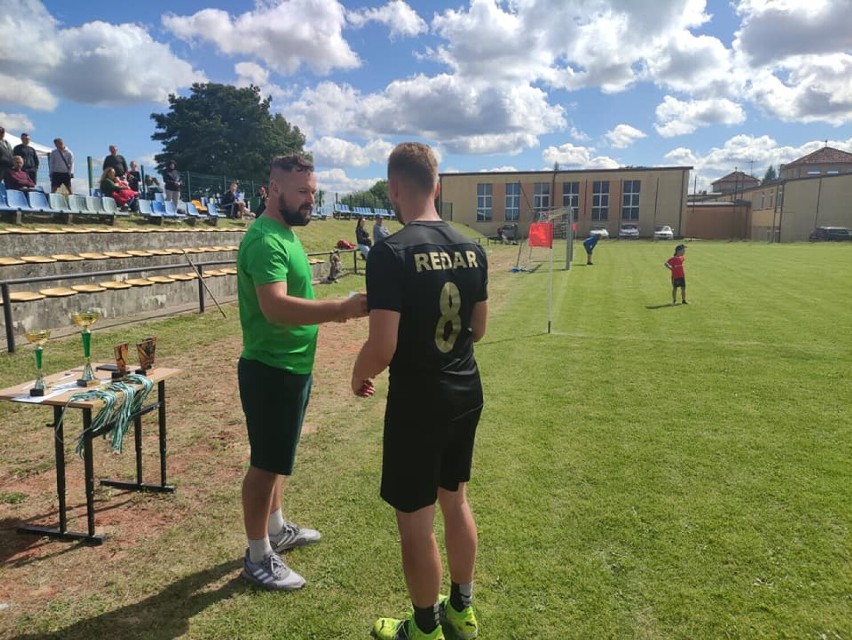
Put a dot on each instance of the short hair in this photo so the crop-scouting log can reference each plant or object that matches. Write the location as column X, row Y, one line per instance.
column 25, row 135
column 416, row 164
column 292, row 162
column 57, row 140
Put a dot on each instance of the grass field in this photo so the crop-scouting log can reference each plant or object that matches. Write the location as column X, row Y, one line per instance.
column 644, row 471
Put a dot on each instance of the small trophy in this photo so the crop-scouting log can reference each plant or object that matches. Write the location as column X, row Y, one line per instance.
column 86, row 319
column 147, row 352
column 39, row 339
column 120, row 351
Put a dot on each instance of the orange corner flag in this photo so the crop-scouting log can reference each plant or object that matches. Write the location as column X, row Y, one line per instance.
column 541, row 234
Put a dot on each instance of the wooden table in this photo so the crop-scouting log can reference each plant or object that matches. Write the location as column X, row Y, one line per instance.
column 57, row 382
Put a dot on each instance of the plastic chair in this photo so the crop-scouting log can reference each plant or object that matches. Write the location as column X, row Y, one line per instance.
column 110, row 206
column 17, row 201
column 38, row 201
column 94, row 205
column 59, row 202
column 77, row 204
column 145, row 208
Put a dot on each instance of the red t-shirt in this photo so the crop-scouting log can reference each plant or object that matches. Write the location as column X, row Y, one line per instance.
column 676, row 264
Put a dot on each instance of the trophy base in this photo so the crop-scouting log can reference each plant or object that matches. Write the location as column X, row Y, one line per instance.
column 88, row 383
column 36, row 393
column 118, row 375
column 143, row 372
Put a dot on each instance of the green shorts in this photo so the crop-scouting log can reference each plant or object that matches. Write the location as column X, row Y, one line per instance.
column 274, row 402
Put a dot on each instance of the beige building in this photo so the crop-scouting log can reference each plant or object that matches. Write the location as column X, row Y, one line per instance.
column 645, row 196
column 827, row 161
column 788, row 211
column 734, row 183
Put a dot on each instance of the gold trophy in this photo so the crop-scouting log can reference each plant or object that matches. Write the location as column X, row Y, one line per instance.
column 86, row 319
column 39, row 339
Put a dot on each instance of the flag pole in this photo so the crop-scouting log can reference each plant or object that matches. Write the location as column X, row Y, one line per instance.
column 550, row 292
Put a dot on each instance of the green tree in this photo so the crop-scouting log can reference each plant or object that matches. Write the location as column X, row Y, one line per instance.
column 376, row 197
column 224, row 130
column 771, row 175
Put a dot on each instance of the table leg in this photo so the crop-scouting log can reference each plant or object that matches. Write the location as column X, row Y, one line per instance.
column 62, row 532
column 160, row 405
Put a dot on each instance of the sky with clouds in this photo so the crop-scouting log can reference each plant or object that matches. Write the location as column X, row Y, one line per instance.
column 493, row 85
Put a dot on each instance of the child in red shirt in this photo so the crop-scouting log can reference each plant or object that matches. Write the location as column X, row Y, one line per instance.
column 675, row 265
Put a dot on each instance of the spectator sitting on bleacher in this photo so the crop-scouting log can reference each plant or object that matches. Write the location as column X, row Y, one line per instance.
column 26, row 151
column 262, row 195
column 117, row 188
column 152, row 186
column 231, row 200
column 133, row 176
column 380, row 231
column 362, row 238
column 17, row 178
column 115, row 161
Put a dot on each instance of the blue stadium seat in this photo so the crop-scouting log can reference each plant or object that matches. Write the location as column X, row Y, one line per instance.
column 110, row 206
column 159, row 197
column 39, row 202
column 17, row 201
column 77, row 204
column 94, row 205
column 59, row 202
column 145, row 208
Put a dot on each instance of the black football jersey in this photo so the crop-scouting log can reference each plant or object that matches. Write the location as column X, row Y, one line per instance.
column 433, row 276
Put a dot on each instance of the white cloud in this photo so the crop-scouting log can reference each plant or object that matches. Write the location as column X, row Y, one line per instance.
column 567, row 43
column 94, row 63
column 285, row 36
column 336, row 152
column 15, row 122
column 401, row 19
column 776, row 29
column 798, row 55
column 251, row 73
column 27, row 93
column 677, row 117
column 466, row 117
column 815, row 89
column 325, row 109
column 335, row 181
column 501, row 169
column 623, row 136
column 571, row 156
column 118, row 64
column 700, row 65
column 750, row 154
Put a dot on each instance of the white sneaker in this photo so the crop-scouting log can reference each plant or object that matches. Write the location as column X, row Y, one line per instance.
column 271, row 573
column 291, row 536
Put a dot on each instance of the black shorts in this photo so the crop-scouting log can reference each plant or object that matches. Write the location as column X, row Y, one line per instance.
column 678, row 282
column 58, row 179
column 426, row 445
column 274, row 402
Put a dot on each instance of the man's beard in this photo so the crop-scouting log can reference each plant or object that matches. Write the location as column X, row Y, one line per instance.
column 294, row 217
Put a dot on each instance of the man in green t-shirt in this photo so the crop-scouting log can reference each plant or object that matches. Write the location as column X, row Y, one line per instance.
column 279, row 318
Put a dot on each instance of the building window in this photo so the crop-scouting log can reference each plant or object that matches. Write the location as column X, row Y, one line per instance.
column 513, row 201
column 571, row 198
column 483, row 203
column 762, row 200
column 630, row 200
column 541, row 200
column 600, row 200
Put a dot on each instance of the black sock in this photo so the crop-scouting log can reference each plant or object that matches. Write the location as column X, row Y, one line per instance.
column 461, row 595
column 426, row 618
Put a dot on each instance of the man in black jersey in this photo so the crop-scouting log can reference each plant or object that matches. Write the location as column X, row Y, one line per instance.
column 427, row 294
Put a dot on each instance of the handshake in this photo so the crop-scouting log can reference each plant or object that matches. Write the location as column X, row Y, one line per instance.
column 355, row 306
